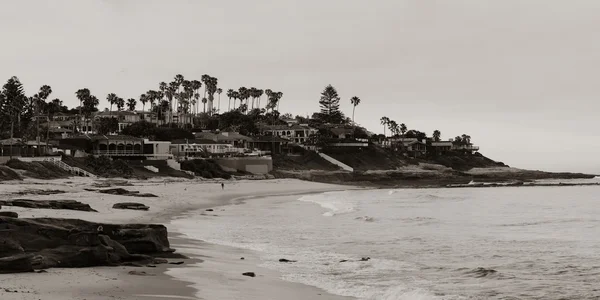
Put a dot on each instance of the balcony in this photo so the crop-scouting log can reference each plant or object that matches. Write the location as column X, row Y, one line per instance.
column 118, row 152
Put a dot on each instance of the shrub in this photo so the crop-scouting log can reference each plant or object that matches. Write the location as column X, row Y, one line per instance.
column 206, row 168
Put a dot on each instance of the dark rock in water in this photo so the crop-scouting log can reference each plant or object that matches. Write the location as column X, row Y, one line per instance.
column 286, row 260
column 130, row 205
column 176, row 263
column 210, row 209
column 11, row 214
column 242, row 258
column 48, row 204
column 160, row 261
column 481, row 272
column 249, row 274
column 124, row 192
column 75, row 243
column 365, row 259
column 19, row 263
column 343, row 260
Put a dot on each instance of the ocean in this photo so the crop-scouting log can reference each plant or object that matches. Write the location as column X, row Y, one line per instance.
column 460, row 243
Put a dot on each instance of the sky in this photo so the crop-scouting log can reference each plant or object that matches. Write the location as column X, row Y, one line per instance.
column 519, row 76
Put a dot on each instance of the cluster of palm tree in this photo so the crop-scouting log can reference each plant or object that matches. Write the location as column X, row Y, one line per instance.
column 393, row 126
column 243, row 94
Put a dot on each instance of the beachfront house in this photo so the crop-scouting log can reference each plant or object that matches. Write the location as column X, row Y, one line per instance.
column 201, row 148
column 124, row 118
column 116, row 146
column 294, row 133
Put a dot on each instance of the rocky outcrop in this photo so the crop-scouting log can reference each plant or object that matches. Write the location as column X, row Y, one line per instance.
column 11, row 214
column 124, row 192
column 48, row 204
column 130, row 205
column 27, row 244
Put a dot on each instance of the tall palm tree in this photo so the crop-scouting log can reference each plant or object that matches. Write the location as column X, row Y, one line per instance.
column 112, row 99
column 436, row 135
column 219, row 91
column 279, row 96
column 259, row 94
column 236, row 96
column 230, row 94
column 403, row 129
column 242, row 94
column 252, row 93
column 354, row 101
column 384, row 121
column 120, row 102
column 268, row 92
column 170, row 94
column 144, row 99
column 204, row 100
column 196, row 85
column 131, row 104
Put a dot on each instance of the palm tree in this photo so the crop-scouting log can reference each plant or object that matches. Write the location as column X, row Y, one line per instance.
column 131, row 103
column 243, row 94
column 355, row 101
column 279, row 96
column 437, row 135
column 236, row 96
column 112, row 99
column 196, row 85
column 384, row 121
column 403, row 129
column 204, row 100
column 230, row 95
column 120, row 102
column 144, row 99
column 219, row 91
column 268, row 92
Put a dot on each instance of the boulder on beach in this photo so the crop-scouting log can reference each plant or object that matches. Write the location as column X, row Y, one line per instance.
column 124, row 192
column 130, row 205
column 11, row 214
column 48, row 204
column 249, row 274
column 69, row 243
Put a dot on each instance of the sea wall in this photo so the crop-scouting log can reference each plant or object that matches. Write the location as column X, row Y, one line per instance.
column 254, row 165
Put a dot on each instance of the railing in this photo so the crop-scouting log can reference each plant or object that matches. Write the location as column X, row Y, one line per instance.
column 73, row 170
column 118, row 152
column 465, row 147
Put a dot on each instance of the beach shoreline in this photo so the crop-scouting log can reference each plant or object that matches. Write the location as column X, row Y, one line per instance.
column 175, row 198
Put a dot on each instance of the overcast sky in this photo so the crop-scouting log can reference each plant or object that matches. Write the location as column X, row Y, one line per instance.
column 519, row 76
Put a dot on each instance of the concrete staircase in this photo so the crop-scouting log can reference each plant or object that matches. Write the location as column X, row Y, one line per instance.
column 336, row 162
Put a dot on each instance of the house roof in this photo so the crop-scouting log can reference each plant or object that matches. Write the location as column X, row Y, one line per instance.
column 268, row 139
column 284, row 127
column 18, row 141
column 116, row 113
column 223, row 136
column 196, row 141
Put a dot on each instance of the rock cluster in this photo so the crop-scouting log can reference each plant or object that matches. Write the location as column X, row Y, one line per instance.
column 40, row 243
column 48, row 204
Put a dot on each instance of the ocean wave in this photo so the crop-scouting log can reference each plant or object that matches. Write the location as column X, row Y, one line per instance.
column 336, row 203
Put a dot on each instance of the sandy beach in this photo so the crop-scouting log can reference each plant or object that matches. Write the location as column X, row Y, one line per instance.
column 220, row 266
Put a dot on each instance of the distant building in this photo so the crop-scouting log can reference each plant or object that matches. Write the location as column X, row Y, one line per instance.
column 107, row 145
column 268, row 144
column 233, row 138
column 295, row 133
column 125, row 118
column 201, row 147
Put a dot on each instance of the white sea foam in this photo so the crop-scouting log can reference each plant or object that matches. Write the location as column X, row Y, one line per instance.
column 418, row 239
column 336, row 203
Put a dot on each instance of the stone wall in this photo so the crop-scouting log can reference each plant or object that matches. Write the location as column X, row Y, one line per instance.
column 254, row 165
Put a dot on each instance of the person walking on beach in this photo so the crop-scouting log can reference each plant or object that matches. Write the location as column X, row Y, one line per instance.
column 222, row 186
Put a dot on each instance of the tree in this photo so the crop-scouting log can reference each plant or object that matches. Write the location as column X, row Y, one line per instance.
column 131, row 103
column 204, row 100
column 120, row 103
column 112, row 100
column 330, row 105
column 354, row 101
column 230, row 94
column 466, row 140
column 14, row 105
column 82, row 94
column 403, row 129
column 393, row 127
column 385, row 122
column 436, row 135
column 107, row 125
column 219, row 91
column 243, row 94
column 144, row 98
column 40, row 105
